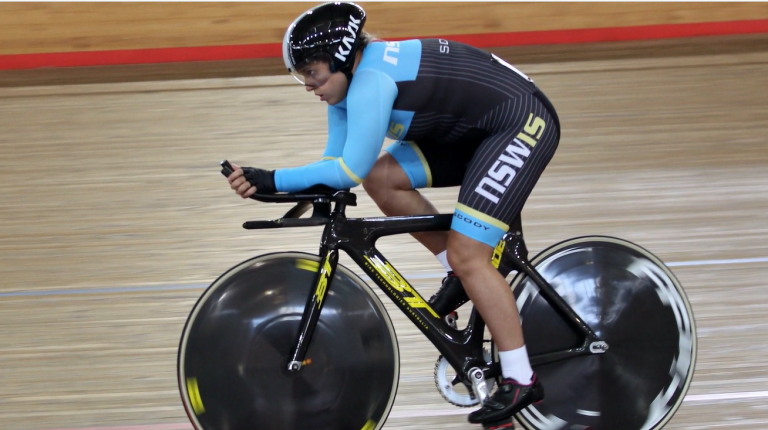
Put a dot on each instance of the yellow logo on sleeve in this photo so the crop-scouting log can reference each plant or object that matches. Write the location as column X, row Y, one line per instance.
column 396, row 130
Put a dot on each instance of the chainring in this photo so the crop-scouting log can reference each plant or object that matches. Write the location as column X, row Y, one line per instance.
column 463, row 397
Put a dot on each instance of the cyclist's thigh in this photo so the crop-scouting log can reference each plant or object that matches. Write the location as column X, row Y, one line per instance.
column 503, row 171
column 430, row 164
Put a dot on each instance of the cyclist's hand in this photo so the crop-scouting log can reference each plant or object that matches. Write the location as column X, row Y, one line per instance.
column 238, row 183
column 248, row 180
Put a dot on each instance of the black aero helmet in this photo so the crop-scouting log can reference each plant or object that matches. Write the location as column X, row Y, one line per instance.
column 331, row 28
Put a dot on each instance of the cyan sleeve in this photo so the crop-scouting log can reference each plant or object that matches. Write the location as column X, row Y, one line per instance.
column 337, row 132
column 369, row 105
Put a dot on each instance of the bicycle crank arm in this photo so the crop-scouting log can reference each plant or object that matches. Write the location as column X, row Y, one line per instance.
column 477, row 377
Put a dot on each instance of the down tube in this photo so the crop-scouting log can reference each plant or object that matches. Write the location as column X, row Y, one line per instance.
column 399, row 290
column 456, row 346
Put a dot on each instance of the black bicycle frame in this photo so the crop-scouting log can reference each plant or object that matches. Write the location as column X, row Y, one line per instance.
column 357, row 237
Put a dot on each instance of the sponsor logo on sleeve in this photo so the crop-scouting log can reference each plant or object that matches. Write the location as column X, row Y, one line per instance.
column 391, row 49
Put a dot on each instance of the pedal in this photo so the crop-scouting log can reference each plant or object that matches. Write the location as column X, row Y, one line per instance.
column 506, row 424
column 479, row 386
column 451, row 319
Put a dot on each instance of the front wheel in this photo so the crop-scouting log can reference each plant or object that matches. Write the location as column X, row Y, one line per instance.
column 634, row 303
column 233, row 354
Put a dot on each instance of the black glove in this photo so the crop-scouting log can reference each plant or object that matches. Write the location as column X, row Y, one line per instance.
column 263, row 180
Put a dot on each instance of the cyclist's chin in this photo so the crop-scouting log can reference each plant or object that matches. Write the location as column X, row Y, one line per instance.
column 333, row 101
column 335, row 98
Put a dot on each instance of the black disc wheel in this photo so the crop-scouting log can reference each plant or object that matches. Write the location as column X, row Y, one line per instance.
column 635, row 304
column 233, row 355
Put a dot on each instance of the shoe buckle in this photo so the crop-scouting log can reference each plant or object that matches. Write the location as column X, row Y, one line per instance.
column 477, row 377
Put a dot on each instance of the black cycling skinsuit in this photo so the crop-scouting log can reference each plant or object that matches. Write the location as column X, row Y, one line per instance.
column 460, row 115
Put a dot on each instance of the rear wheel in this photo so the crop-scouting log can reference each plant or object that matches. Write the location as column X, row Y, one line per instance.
column 235, row 345
column 635, row 304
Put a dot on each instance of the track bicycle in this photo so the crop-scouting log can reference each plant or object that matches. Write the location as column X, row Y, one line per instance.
column 295, row 341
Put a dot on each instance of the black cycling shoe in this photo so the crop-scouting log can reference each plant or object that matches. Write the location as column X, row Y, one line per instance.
column 509, row 399
column 450, row 296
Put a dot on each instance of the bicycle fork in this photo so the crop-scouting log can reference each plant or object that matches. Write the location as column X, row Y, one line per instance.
column 315, row 301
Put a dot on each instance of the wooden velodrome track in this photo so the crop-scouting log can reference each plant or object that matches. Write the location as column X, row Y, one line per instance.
column 114, row 217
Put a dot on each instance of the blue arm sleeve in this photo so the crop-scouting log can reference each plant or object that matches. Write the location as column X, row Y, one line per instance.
column 369, row 106
column 337, row 132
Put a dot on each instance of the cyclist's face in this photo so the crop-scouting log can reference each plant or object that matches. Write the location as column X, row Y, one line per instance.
column 330, row 87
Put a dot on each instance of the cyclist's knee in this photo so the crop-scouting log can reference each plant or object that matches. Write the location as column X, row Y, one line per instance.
column 466, row 255
column 385, row 176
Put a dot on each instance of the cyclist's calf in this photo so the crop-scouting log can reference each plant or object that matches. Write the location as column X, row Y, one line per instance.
column 488, row 290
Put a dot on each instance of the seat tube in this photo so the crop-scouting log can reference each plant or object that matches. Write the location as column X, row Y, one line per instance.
column 313, row 307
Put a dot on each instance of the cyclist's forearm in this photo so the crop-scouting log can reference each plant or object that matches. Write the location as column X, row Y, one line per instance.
column 369, row 112
column 331, row 173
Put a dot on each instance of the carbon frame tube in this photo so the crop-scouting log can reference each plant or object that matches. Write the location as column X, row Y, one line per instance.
column 547, row 291
column 462, row 349
column 515, row 256
column 560, row 306
column 358, row 236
